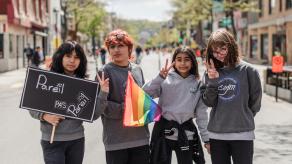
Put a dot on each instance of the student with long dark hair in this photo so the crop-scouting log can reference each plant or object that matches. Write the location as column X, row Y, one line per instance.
column 180, row 100
column 232, row 88
column 68, row 145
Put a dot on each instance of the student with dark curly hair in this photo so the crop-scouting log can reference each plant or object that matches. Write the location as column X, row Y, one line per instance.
column 180, row 100
column 68, row 145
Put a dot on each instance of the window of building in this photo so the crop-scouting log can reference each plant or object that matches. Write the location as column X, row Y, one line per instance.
column 272, row 4
column 280, row 5
column 288, row 4
column 261, row 8
column 253, row 46
column 10, row 43
column 264, row 46
column 1, row 46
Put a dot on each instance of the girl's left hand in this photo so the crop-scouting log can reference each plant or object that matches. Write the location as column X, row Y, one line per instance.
column 207, row 146
column 164, row 71
column 104, row 83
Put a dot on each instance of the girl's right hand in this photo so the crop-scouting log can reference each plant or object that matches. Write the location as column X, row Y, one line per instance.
column 164, row 71
column 104, row 84
column 211, row 70
column 53, row 119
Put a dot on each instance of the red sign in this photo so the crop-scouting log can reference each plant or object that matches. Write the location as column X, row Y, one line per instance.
column 277, row 64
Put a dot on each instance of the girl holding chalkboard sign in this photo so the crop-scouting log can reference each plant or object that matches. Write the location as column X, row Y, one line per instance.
column 68, row 145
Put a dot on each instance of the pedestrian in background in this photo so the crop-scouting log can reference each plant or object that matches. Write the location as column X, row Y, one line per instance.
column 68, row 145
column 36, row 59
column 180, row 100
column 102, row 55
column 123, row 145
column 29, row 53
column 233, row 89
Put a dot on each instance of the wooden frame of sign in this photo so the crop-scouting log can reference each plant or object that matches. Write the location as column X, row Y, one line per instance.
column 54, row 93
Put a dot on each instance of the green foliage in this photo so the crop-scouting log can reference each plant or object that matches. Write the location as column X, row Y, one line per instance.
column 88, row 15
column 190, row 12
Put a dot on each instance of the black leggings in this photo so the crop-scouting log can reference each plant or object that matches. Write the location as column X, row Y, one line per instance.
column 135, row 155
column 183, row 157
column 241, row 151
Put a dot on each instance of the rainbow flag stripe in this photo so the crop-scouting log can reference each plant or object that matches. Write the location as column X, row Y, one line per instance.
column 140, row 108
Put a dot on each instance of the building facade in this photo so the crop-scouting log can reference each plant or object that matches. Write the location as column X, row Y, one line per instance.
column 272, row 33
column 22, row 23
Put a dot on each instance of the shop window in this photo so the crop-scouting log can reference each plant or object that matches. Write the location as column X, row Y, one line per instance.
column 253, row 46
column 279, row 45
column 1, row 46
column 264, row 46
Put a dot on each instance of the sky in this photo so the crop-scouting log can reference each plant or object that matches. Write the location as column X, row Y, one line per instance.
column 155, row 10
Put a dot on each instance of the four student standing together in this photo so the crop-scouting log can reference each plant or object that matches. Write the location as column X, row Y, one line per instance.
column 230, row 87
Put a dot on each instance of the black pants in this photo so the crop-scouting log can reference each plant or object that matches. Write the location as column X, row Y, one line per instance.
column 183, row 157
column 222, row 150
column 135, row 155
column 63, row 152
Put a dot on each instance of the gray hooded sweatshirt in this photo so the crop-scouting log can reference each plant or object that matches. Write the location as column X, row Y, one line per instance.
column 110, row 106
column 180, row 100
column 235, row 98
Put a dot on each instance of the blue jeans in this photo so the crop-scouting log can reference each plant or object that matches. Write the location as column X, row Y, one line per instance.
column 63, row 152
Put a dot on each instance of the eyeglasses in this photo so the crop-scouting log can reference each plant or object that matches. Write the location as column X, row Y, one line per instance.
column 118, row 37
column 220, row 50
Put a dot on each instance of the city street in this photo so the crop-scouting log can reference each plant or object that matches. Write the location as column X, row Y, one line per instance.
column 20, row 134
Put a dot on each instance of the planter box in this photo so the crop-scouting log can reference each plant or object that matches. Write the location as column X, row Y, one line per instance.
column 284, row 94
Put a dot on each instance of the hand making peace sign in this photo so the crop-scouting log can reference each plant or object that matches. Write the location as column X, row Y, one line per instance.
column 164, row 71
column 211, row 70
column 104, row 84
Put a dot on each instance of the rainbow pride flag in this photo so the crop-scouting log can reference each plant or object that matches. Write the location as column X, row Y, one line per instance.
column 140, row 108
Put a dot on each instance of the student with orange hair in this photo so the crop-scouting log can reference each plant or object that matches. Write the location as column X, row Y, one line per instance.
column 123, row 145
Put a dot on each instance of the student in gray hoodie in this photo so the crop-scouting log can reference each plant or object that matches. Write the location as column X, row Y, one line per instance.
column 68, row 145
column 180, row 101
column 123, row 145
column 233, row 89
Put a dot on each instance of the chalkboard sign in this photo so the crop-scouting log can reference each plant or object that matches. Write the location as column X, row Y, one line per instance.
column 54, row 93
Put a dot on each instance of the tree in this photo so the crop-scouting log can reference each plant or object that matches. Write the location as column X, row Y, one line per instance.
column 238, row 5
column 189, row 14
column 87, row 15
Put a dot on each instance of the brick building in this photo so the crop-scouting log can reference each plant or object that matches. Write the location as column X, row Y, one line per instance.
column 272, row 32
column 22, row 22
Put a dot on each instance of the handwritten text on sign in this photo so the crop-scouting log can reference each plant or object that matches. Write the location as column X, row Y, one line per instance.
column 54, row 93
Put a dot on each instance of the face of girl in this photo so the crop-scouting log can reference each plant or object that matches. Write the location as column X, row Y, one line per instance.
column 220, row 52
column 70, row 63
column 119, row 53
column 183, row 64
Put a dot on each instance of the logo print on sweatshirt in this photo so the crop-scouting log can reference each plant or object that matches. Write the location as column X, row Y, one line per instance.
column 228, row 88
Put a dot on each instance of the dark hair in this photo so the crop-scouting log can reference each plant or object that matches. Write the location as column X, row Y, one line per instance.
column 188, row 51
column 67, row 48
column 222, row 38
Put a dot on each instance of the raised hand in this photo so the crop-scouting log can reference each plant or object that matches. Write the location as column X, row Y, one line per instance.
column 211, row 70
column 164, row 71
column 104, row 83
column 53, row 119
